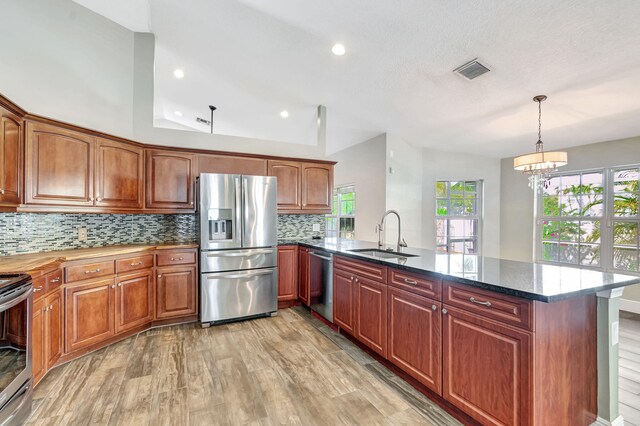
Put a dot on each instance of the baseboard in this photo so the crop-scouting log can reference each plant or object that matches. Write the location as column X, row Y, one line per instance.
column 618, row 421
column 630, row 306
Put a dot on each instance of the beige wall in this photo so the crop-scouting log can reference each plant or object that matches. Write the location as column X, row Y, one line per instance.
column 517, row 209
column 363, row 165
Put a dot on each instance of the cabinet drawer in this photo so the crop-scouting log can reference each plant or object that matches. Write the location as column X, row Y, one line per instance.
column 54, row 280
column 506, row 309
column 176, row 258
column 425, row 286
column 39, row 287
column 89, row 270
column 363, row 269
column 134, row 263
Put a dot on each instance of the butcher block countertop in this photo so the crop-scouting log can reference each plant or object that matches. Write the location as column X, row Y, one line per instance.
column 37, row 264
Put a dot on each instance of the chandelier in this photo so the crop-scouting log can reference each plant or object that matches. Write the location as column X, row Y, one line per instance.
column 540, row 164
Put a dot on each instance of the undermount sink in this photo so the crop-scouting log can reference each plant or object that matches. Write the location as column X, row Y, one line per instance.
column 382, row 254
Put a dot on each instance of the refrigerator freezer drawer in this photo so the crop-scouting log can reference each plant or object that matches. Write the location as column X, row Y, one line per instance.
column 238, row 294
column 233, row 260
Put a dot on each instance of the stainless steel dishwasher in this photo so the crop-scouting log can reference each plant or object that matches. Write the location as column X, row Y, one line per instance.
column 321, row 283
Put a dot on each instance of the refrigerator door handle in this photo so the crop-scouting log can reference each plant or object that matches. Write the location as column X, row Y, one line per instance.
column 239, row 211
column 246, row 253
column 240, row 276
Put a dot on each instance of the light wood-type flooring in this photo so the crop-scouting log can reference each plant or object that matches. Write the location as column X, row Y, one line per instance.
column 630, row 368
column 290, row 369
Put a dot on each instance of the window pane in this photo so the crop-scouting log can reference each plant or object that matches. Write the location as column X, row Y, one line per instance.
column 470, row 188
column 553, row 189
column 551, row 206
column 456, row 228
column 591, row 183
column 590, row 254
column 550, row 252
column 590, row 231
column 625, row 204
column 334, row 208
column 457, row 208
column 441, row 227
column 625, row 233
column 442, row 207
column 570, row 184
column 569, row 231
column 456, row 189
column 625, row 259
column 569, row 205
column 550, row 230
column 441, row 189
column 568, row 253
column 471, row 246
column 592, row 205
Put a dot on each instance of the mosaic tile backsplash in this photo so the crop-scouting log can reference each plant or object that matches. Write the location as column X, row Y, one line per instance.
column 38, row 232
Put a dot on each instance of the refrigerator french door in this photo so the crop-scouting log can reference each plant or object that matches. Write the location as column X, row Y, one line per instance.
column 238, row 247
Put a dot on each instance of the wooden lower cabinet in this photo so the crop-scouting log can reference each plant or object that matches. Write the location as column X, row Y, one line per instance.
column 176, row 292
column 53, row 326
column 371, row 314
column 46, row 333
column 134, row 300
column 415, row 336
column 343, row 300
column 89, row 313
column 39, row 344
column 303, row 276
column 487, row 369
column 287, row 273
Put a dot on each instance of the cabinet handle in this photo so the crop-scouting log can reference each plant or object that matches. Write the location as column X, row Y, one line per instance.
column 113, row 286
column 55, row 280
column 37, row 289
column 176, row 258
column 473, row 300
column 50, row 307
column 191, row 203
column 159, row 276
column 90, row 198
column 92, row 272
column 434, row 307
column 444, row 311
column 1, row 191
column 351, row 278
column 135, row 264
column 45, row 309
column 412, row 282
column 119, row 284
column 99, row 199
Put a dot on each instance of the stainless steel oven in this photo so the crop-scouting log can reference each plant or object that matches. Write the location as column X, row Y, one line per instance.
column 16, row 381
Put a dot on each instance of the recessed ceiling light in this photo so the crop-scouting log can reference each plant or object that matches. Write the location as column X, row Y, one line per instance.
column 178, row 73
column 178, row 113
column 284, row 114
column 338, row 49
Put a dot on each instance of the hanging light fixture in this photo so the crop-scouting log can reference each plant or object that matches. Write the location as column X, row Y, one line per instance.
column 540, row 164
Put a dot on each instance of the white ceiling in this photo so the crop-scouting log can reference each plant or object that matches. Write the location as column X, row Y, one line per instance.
column 254, row 58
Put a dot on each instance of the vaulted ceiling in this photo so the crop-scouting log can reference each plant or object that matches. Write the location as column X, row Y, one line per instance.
column 254, row 58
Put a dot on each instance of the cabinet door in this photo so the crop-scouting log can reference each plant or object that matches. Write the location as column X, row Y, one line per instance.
column 89, row 314
column 54, row 327
column 486, row 368
column 176, row 292
column 289, row 183
column 287, row 272
column 415, row 337
column 39, row 347
column 232, row 165
column 119, row 174
column 303, row 276
column 317, row 186
column 59, row 166
column 343, row 303
column 134, row 303
column 371, row 314
column 10, row 157
column 169, row 180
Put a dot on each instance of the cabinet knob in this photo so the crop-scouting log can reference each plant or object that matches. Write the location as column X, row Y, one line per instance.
column 351, row 278
column 434, row 307
column 50, row 307
column 90, row 198
column 37, row 289
column 119, row 284
column 45, row 309
column 159, row 276
column 444, row 311
column 99, row 199
column 113, row 286
column 1, row 191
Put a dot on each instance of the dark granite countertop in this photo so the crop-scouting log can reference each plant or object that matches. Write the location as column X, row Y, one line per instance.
column 535, row 281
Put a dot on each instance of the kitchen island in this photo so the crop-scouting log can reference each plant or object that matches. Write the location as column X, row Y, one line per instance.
column 505, row 342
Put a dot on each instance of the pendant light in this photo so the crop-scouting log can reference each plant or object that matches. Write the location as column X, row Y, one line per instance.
column 540, row 164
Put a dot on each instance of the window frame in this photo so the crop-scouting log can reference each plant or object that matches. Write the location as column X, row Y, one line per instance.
column 338, row 191
column 606, row 226
column 479, row 214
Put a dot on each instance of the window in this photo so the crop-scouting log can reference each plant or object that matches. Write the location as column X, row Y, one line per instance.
column 341, row 221
column 458, row 216
column 591, row 219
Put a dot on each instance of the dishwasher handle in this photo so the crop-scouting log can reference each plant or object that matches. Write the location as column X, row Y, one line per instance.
column 330, row 258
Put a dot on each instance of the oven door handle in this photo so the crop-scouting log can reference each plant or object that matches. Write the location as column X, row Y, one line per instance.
column 14, row 299
column 24, row 394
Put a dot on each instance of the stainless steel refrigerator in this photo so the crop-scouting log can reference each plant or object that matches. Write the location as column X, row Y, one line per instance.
column 238, row 247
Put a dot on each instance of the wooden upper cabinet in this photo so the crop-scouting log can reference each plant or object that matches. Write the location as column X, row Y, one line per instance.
column 59, row 166
column 231, row 165
column 119, row 175
column 289, row 174
column 317, row 186
column 169, row 180
column 11, row 129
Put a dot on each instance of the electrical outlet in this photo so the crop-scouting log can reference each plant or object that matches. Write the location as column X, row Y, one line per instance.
column 82, row 234
column 316, row 227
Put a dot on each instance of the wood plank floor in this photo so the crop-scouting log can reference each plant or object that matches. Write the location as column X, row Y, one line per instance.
column 291, row 369
column 630, row 368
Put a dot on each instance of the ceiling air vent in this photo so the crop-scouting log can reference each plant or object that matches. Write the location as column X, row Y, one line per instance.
column 471, row 70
